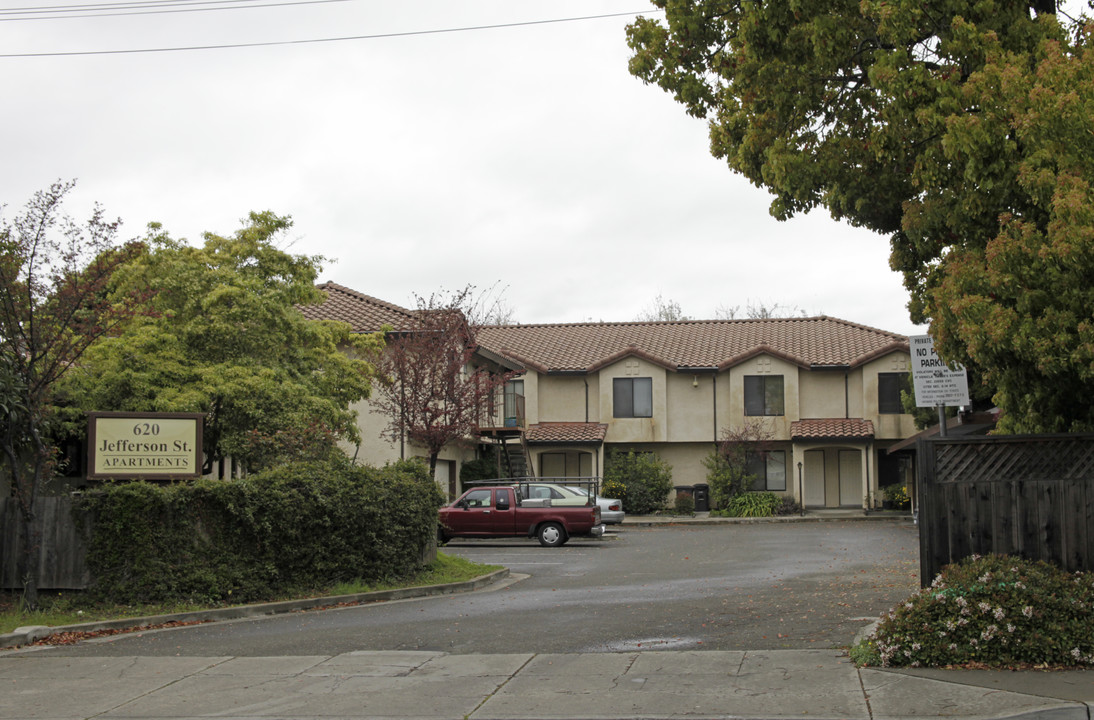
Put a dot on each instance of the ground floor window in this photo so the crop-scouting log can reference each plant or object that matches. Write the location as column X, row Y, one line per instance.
column 769, row 470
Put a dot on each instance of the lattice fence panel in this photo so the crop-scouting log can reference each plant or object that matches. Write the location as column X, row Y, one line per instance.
column 1031, row 496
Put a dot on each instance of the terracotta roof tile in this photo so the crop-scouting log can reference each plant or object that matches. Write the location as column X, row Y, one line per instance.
column 831, row 429
column 364, row 313
column 574, row 432
column 690, row 344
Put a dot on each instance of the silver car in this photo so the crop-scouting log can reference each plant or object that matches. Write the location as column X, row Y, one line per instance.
column 611, row 510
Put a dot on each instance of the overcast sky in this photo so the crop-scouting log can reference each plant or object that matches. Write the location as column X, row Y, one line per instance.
column 524, row 158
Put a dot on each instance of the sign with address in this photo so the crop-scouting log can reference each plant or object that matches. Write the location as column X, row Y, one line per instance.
column 936, row 384
column 144, row 445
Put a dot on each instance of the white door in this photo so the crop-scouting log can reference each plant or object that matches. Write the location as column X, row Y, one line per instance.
column 814, row 478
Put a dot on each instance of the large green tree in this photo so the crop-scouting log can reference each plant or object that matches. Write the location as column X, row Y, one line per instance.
column 961, row 129
column 225, row 338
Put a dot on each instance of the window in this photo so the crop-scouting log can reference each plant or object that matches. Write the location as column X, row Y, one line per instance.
column 889, row 387
column 769, row 470
column 514, row 403
column 632, row 397
column 477, row 499
column 763, row 395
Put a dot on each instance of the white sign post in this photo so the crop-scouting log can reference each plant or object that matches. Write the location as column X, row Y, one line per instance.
column 936, row 384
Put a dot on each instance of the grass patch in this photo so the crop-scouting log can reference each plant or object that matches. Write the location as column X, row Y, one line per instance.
column 73, row 607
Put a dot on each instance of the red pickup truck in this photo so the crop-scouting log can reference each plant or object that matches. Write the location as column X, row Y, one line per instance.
column 491, row 512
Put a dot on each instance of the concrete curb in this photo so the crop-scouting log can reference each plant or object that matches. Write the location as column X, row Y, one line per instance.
column 703, row 519
column 33, row 633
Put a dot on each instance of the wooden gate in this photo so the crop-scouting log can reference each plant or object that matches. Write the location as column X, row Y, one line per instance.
column 1028, row 495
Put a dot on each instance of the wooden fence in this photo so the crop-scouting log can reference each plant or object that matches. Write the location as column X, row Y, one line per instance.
column 1030, row 496
column 62, row 564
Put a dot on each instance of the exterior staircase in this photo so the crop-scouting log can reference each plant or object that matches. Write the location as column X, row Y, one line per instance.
column 514, row 457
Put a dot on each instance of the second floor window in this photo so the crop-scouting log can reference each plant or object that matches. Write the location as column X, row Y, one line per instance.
column 889, row 387
column 514, row 403
column 764, row 395
column 632, row 397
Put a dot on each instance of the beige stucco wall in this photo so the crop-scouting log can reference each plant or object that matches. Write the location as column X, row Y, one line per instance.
column 377, row 448
column 690, row 405
column 562, row 398
column 634, row 430
column 824, row 393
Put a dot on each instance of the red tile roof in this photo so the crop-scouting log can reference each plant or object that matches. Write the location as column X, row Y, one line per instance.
column 364, row 313
column 679, row 346
column 569, row 432
column 831, row 429
column 687, row 345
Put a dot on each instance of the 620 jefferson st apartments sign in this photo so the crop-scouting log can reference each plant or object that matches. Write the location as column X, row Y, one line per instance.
column 144, row 445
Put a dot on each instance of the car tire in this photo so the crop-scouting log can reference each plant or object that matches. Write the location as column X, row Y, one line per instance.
column 551, row 534
column 442, row 538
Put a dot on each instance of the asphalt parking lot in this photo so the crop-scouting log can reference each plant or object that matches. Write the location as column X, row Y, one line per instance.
column 715, row 587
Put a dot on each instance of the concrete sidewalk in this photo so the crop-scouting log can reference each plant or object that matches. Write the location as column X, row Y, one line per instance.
column 654, row 684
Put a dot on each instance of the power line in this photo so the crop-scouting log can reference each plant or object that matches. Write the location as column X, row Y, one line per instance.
column 121, row 9
column 274, row 43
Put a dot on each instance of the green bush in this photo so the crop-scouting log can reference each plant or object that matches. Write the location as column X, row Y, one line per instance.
column 482, row 468
column 293, row 527
column 897, row 494
column 644, row 478
column 727, row 477
column 753, row 504
column 788, row 506
column 994, row 611
column 684, row 504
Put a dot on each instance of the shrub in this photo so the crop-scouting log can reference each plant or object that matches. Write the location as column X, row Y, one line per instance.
column 727, row 479
column 788, row 506
column 731, row 467
column 482, row 468
column 994, row 611
column 684, row 504
column 613, row 488
column 753, row 504
column 897, row 494
column 645, row 479
column 297, row 526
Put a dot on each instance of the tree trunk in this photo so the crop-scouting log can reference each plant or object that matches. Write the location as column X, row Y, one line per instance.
column 27, row 565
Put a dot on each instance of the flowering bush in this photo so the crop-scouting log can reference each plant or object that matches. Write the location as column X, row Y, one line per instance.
column 897, row 495
column 989, row 611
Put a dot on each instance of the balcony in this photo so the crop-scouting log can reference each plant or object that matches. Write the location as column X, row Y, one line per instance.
column 507, row 419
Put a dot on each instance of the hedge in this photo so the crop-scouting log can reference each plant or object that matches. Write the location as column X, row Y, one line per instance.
column 289, row 528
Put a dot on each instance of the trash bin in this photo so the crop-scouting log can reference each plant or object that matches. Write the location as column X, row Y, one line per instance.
column 701, row 493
